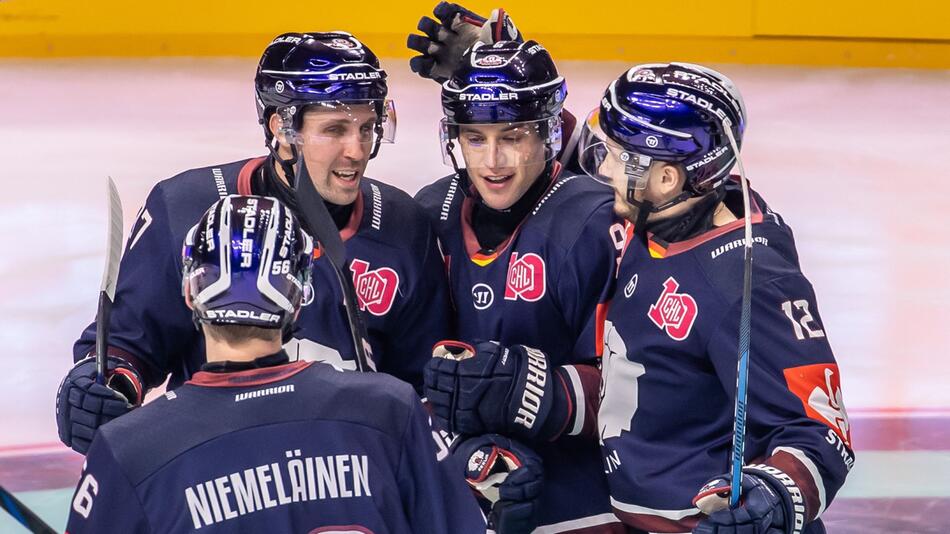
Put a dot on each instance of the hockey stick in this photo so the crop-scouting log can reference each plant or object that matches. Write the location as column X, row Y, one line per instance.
column 22, row 514
column 745, row 334
column 109, row 275
column 318, row 219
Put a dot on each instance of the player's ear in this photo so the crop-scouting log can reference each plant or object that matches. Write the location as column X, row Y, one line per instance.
column 671, row 178
column 186, row 290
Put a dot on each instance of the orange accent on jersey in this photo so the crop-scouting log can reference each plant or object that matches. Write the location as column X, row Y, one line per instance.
column 818, row 386
column 317, row 252
column 600, row 316
column 483, row 259
column 656, row 250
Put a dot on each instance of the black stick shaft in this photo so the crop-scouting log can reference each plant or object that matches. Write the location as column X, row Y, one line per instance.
column 22, row 514
column 102, row 336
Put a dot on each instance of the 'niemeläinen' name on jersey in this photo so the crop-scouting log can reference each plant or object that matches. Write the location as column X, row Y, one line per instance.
column 300, row 479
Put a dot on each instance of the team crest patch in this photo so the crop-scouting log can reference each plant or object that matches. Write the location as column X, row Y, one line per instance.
column 674, row 312
column 525, row 278
column 819, row 388
column 375, row 289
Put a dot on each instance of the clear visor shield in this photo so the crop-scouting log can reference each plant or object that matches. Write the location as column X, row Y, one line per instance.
column 497, row 146
column 328, row 123
column 604, row 160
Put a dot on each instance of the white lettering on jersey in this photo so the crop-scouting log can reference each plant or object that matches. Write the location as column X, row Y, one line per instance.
column 805, row 323
column 377, row 207
column 298, row 479
column 534, row 388
column 82, row 503
column 287, row 388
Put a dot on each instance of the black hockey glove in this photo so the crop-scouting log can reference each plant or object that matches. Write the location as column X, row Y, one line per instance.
column 489, row 388
column 507, row 474
column 765, row 506
column 448, row 38
column 82, row 405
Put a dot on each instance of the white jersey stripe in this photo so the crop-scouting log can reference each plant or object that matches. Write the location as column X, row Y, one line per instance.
column 574, row 524
column 579, row 398
column 672, row 515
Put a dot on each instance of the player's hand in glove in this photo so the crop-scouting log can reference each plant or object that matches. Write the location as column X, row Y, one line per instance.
column 506, row 473
column 489, row 388
column 764, row 507
column 456, row 30
column 82, row 405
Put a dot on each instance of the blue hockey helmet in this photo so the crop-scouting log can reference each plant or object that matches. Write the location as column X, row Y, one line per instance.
column 670, row 112
column 247, row 262
column 330, row 69
column 508, row 82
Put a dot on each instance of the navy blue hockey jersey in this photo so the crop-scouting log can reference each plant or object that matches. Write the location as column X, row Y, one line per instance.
column 300, row 447
column 543, row 287
column 670, row 361
column 391, row 251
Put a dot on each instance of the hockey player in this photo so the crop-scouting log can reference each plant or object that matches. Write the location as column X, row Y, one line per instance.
column 530, row 254
column 660, row 140
column 263, row 444
column 321, row 97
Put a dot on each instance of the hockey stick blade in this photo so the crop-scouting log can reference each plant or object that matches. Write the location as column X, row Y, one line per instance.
column 318, row 219
column 109, row 275
column 22, row 514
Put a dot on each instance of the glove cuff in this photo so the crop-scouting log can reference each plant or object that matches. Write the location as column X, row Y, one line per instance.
column 123, row 377
column 793, row 502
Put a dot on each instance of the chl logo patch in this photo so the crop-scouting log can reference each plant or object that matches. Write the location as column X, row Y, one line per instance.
column 819, row 388
column 375, row 289
column 674, row 312
column 525, row 277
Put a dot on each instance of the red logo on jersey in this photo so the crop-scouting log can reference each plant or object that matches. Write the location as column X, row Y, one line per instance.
column 819, row 388
column 375, row 289
column 525, row 277
column 675, row 312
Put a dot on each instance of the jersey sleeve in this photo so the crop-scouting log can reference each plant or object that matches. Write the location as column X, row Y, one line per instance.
column 105, row 500
column 150, row 322
column 796, row 413
column 435, row 496
column 585, row 281
column 423, row 318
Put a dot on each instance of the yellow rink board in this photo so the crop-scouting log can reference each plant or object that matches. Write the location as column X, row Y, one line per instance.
column 808, row 32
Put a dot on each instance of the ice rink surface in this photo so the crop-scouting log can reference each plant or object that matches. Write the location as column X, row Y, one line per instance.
column 855, row 159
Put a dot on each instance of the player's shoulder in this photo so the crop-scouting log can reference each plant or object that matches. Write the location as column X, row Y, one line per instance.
column 351, row 393
column 213, row 180
column 774, row 253
column 181, row 199
column 391, row 209
column 196, row 414
column 572, row 208
column 438, row 198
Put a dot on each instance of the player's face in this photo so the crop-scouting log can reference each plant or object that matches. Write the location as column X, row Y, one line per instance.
column 502, row 160
column 336, row 143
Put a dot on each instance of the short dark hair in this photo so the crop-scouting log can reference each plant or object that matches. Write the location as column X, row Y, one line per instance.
column 239, row 333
